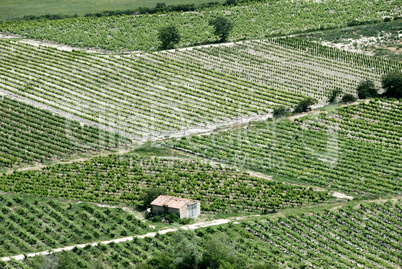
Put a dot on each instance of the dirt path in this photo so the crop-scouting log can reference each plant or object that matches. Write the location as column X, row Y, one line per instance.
column 40, row 166
column 119, row 240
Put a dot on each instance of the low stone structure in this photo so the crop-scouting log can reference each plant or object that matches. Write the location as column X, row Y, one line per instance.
column 184, row 208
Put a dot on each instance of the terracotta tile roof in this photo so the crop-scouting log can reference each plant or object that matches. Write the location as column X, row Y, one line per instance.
column 173, row 202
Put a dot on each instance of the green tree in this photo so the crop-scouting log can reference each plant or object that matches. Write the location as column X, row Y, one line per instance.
column 392, row 84
column 334, row 94
column 218, row 253
column 281, row 111
column 304, row 105
column 222, row 26
column 148, row 195
column 366, row 89
column 160, row 260
column 169, row 36
column 348, row 98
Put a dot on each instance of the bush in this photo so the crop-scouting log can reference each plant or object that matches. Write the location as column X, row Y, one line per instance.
column 334, row 94
column 148, row 195
column 392, row 84
column 304, row 105
column 169, row 36
column 281, row 111
column 222, row 26
column 348, row 98
column 366, row 89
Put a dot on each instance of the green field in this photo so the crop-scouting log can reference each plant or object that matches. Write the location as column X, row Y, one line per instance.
column 120, row 179
column 356, row 149
column 12, row 9
column 320, row 189
column 251, row 21
column 366, row 236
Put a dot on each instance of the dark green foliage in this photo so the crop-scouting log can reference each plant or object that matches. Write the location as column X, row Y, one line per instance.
column 348, row 98
column 158, row 261
column 366, row 89
column 281, row 111
column 392, row 84
column 334, row 94
column 218, row 253
column 230, row 2
column 169, row 36
column 304, row 105
column 222, row 27
column 148, row 195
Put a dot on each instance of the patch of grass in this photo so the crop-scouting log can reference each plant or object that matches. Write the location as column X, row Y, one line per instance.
column 20, row 8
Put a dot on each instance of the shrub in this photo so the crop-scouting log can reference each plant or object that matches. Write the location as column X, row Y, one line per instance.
column 304, row 105
column 281, row 111
column 366, row 89
column 348, row 98
column 392, row 84
column 169, row 36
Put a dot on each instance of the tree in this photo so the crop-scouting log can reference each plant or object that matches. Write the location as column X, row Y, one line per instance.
column 348, row 98
column 392, row 84
column 158, row 261
column 366, row 89
column 222, row 26
column 148, row 195
column 334, row 94
column 169, row 36
column 281, row 111
column 304, row 105
column 219, row 254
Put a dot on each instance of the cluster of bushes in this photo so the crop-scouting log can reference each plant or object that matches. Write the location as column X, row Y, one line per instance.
column 212, row 251
column 391, row 83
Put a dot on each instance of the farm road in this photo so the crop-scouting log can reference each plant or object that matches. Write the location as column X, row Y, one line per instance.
column 119, row 240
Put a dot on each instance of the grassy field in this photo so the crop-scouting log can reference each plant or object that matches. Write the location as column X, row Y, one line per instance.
column 11, row 9
column 251, row 21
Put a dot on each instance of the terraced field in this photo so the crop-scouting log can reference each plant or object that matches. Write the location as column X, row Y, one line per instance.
column 28, row 134
column 356, row 149
column 366, row 235
column 120, row 179
column 253, row 20
column 32, row 224
column 152, row 95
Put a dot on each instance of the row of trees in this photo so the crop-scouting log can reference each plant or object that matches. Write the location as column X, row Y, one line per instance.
column 170, row 36
column 391, row 83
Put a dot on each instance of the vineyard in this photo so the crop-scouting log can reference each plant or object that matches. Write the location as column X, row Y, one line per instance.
column 120, row 179
column 251, row 21
column 363, row 236
column 28, row 134
column 30, row 224
column 356, row 149
column 315, row 190
column 152, row 95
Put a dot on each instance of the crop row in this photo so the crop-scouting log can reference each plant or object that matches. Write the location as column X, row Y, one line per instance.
column 30, row 224
column 363, row 236
column 356, row 149
column 28, row 134
column 349, row 238
column 122, row 179
column 153, row 94
column 251, row 21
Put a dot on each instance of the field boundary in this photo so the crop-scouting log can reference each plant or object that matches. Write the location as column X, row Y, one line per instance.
column 119, row 240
